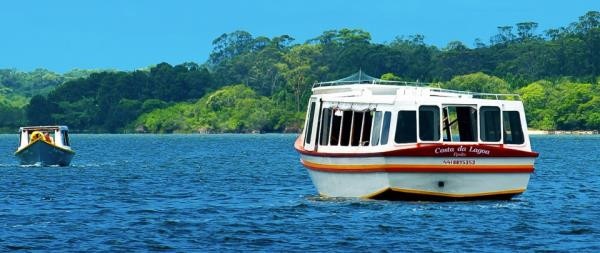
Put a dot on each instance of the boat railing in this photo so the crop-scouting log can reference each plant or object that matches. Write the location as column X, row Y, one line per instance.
column 405, row 83
column 481, row 95
column 434, row 88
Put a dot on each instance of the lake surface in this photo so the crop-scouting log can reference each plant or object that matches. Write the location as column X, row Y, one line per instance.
column 250, row 193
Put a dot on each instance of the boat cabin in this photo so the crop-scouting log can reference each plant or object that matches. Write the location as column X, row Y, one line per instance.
column 376, row 115
column 56, row 135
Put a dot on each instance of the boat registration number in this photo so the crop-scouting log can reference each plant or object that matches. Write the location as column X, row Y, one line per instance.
column 459, row 162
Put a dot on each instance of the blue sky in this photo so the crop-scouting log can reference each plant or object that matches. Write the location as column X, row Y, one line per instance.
column 62, row 35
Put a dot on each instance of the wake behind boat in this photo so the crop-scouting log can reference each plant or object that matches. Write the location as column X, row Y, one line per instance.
column 370, row 138
column 45, row 146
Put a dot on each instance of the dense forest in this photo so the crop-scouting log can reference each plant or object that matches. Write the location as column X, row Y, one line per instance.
column 251, row 84
column 16, row 89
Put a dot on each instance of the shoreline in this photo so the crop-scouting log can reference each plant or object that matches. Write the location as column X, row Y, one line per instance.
column 562, row 132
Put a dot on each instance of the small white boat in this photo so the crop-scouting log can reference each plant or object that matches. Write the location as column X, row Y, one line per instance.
column 44, row 145
column 369, row 138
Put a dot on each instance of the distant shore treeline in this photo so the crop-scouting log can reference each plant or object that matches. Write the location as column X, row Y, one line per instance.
column 260, row 84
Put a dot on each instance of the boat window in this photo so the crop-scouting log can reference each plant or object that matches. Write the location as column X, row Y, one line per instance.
column 66, row 138
column 325, row 126
column 366, row 130
column 406, row 127
column 490, row 123
column 385, row 129
column 513, row 131
column 310, row 123
column 429, row 123
column 336, row 123
column 460, row 123
column 346, row 128
column 357, row 124
column 376, row 129
column 51, row 136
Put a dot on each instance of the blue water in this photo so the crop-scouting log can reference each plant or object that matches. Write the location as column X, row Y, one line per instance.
column 250, row 193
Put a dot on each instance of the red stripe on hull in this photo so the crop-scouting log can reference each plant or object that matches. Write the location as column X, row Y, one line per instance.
column 401, row 168
column 431, row 150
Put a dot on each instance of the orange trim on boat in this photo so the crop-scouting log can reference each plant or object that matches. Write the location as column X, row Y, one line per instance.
column 417, row 168
column 47, row 142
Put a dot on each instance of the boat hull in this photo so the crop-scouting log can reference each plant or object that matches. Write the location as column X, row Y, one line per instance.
column 44, row 154
column 423, row 178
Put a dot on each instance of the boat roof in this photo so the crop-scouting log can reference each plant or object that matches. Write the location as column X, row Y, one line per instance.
column 44, row 128
column 361, row 84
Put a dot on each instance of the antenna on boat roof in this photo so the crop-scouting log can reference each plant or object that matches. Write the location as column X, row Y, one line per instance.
column 359, row 75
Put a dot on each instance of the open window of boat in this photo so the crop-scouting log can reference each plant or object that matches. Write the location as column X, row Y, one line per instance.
column 354, row 128
column 459, row 123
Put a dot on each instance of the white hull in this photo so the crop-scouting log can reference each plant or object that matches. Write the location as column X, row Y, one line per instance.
column 419, row 177
column 455, row 185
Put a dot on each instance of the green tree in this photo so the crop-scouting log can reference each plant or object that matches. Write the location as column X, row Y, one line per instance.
column 297, row 69
column 478, row 82
column 390, row 77
column 235, row 108
column 11, row 117
column 230, row 45
column 39, row 111
column 538, row 98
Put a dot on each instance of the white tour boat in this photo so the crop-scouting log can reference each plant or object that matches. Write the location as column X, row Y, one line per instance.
column 370, row 138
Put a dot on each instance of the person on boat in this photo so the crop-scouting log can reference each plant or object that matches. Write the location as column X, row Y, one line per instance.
column 48, row 138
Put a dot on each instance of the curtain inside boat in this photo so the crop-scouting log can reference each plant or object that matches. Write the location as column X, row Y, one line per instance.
column 357, row 107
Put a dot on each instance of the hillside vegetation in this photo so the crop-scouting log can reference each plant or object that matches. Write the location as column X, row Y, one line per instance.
column 262, row 84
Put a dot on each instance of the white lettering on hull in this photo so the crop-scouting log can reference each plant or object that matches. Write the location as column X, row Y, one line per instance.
column 462, row 151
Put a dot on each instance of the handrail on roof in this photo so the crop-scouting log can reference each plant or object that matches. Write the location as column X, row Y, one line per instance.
column 481, row 95
column 435, row 91
column 379, row 81
column 357, row 78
